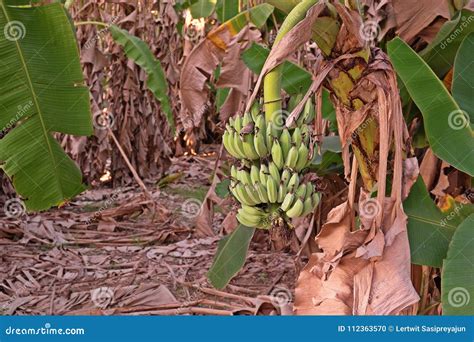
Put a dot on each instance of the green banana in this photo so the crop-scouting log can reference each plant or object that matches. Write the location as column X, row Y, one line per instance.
column 302, row 160
column 309, row 190
column 285, row 142
column 294, row 182
column 227, row 145
column 255, row 110
column 315, row 198
column 296, row 210
column 277, row 154
column 274, row 172
column 244, row 177
column 233, row 172
column 287, row 201
column 262, row 192
column 301, row 191
column 264, row 173
column 248, row 220
column 297, row 137
column 292, row 157
column 236, row 144
column 272, row 190
column 254, row 174
column 242, row 195
column 253, row 194
column 307, row 206
column 260, row 144
column 238, row 124
column 282, row 190
column 248, row 146
column 285, row 176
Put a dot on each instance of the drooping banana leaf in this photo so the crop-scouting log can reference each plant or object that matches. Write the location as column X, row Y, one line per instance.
column 440, row 53
column 457, row 287
column 230, row 256
column 138, row 51
column 42, row 91
column 429, row 229
column 446, row 125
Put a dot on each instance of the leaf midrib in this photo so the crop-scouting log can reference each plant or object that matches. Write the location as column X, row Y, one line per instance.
column 35, row 100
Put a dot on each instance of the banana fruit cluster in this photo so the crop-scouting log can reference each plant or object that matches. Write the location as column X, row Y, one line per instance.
column 269, row 185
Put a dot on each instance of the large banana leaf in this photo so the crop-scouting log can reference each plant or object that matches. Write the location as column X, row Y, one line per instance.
column 440, row 53
column 463, row 80
column 42, row 91
column 429, row 229
column 230, row 256
column 446, row 125
column 226, row 9
column 457, row 287
column 140, row 53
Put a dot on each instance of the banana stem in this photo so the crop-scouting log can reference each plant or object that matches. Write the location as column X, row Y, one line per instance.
column 272, row 81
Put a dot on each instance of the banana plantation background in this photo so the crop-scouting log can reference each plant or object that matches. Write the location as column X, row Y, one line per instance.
column 237, row 157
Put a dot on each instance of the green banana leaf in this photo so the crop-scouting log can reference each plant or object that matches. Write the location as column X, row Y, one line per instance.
column 226, row 9
column 446, row 125
column 430, row 230
column 440, row 53
column 230, row 256
column 457, row 287
column 203, row 8
column 463, row 79
column 138, row 51
column 42, row 91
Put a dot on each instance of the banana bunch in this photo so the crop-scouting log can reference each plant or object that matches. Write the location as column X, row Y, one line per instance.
column 251, row 140
column 269, row 184
column 266, row 194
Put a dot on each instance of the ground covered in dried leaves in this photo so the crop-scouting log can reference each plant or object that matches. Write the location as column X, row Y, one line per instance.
column 107, row 252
